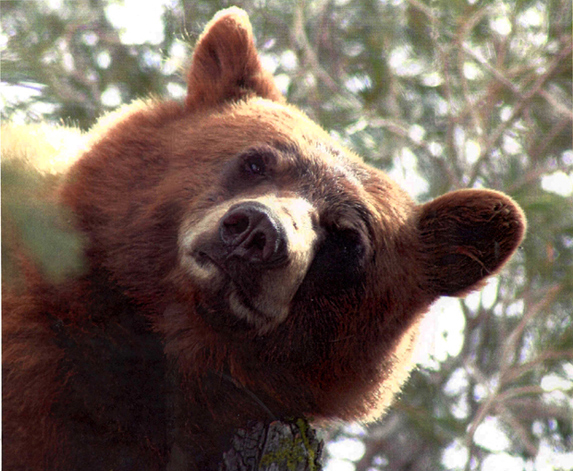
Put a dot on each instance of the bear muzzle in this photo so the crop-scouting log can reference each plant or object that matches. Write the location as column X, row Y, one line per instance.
column 253, row 254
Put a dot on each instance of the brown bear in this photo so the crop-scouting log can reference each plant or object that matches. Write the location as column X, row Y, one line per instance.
column 241, row 266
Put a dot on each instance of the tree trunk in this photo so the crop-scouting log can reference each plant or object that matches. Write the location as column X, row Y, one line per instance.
column 278, row 446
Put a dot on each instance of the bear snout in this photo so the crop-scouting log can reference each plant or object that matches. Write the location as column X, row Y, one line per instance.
column 252, row 254
column 251, row 232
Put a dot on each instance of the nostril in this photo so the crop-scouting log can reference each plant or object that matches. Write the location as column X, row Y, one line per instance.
column 234, row 225
column 259, row 241
column 251, row 233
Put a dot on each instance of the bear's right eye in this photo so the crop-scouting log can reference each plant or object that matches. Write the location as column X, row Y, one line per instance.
column 251, row 167
column 254, row 165
column 339, row 261
column 346, row 247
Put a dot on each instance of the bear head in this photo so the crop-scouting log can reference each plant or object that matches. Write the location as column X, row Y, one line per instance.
column 261, row 248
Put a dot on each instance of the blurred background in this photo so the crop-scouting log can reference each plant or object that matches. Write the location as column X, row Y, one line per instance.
column 441, row 94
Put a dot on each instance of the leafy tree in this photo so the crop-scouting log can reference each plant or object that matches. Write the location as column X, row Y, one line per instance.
column 443, row 95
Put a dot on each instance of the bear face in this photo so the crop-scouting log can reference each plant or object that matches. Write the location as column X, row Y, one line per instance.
column 286, row 215
column 262, row 268
column 269, row 244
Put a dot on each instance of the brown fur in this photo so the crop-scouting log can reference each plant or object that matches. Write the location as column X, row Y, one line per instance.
column 151, row 358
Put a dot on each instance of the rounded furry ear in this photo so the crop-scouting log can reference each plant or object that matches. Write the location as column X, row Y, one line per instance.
column 226, row 65
column 466, row 236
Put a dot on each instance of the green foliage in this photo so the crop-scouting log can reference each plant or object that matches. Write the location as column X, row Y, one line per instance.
column 36, row 227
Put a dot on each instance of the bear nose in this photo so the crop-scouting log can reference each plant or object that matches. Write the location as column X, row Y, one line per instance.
column 252, row 233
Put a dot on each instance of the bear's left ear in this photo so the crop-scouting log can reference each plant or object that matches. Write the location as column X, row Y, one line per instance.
column 466, row 236
column 226, row 65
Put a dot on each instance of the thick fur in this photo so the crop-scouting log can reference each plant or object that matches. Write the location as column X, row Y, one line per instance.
column 241, row 265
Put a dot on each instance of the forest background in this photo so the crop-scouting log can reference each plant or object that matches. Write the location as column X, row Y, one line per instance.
column 442, row 94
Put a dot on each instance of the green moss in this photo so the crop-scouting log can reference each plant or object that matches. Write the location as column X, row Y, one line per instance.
column 294, row 452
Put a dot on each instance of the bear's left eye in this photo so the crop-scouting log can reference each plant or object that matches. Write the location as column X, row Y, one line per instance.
column 254, row 164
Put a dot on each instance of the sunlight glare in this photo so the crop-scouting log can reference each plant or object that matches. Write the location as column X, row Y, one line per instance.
column 138, row 23
column 442, row 333
column 559, row 183
column 489, row 435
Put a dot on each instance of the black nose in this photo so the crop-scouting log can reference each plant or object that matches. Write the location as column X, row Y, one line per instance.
column 253, row 233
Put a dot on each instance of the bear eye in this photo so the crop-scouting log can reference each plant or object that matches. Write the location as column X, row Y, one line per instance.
column 254, row 164
column 348, row 243
column 339, row 264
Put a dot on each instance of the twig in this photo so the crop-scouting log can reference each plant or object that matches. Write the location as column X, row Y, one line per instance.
column 518, row 371
column 540, row 149
column 559, row 107
column 511, row 343
column 495, row 396
column 300, row 38
column 517, row 109
column 465, row 31
column 520, row 430
column 401, row 129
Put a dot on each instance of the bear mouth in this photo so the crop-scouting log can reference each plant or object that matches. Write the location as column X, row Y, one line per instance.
column 232, row 291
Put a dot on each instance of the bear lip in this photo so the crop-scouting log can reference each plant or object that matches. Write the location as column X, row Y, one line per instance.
column 237, row 292
column 202, row 258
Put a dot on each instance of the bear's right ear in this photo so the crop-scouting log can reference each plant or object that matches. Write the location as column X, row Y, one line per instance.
column 466, row 236
column 226, row 66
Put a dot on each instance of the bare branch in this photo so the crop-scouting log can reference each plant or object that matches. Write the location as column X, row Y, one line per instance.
column 559, row 107
column 517, row 110
column 465, row 31
column 301, row 40
column 401, row 129
column 507, row 355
